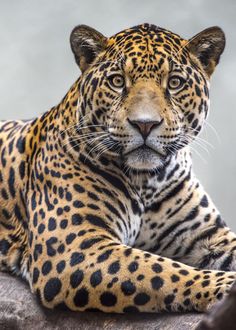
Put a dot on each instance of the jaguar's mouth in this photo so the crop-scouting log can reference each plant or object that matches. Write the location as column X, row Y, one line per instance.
column 144, row 158
column 145, row 149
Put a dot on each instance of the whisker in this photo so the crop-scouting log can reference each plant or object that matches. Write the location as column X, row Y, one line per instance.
column 95, row 147
column 88, row 126
column 200, row 139
column 199, row 155
column 214, row 131
column 82, row 136
column 108, row 144
column 79, row 123
column 198, row 143
column 86, row 141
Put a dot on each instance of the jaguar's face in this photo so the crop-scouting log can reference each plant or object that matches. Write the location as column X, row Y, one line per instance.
column 145, row 93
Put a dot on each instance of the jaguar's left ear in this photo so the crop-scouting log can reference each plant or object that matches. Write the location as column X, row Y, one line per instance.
column 86, row 44
column 207, row 46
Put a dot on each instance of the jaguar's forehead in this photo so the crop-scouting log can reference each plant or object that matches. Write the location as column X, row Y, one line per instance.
column 145, row 40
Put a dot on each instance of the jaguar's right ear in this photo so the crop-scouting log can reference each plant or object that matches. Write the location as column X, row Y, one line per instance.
column 86, row 44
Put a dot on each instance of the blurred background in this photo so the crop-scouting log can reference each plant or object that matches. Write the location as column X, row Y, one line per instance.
column 37, row 67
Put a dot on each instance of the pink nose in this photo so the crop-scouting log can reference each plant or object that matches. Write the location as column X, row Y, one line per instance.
column 145, row 127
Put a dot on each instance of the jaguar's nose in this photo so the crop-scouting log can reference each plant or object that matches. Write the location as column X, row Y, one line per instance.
column 145, row 127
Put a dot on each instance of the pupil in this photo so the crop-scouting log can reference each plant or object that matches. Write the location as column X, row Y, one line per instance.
column 118, row 81
column 176, row 82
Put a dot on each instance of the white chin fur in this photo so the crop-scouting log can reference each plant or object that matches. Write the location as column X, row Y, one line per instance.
column 144, row 160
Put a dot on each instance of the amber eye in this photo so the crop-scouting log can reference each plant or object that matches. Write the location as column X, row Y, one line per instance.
column 175, row 82
column 116, row 81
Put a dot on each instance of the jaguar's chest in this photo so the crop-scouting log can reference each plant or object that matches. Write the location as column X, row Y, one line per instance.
column 161, row 200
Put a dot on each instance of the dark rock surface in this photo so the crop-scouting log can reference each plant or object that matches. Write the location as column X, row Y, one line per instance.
column 20, row 310
column 223, row 314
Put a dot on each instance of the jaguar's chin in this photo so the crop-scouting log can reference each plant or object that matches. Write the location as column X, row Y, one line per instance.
column 144, row 158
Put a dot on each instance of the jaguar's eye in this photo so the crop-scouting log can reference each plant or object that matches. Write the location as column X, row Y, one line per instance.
column 175, row 82
column 116, row 81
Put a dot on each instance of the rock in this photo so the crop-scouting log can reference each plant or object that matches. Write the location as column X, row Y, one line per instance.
column 222, row 316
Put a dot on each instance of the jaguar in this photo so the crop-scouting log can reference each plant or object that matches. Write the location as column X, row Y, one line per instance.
column 100, row 209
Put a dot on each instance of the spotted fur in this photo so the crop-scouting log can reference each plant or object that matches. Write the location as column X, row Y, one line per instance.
column 99, row 205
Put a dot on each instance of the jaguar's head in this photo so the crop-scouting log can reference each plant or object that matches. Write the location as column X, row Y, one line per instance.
column 144, row 93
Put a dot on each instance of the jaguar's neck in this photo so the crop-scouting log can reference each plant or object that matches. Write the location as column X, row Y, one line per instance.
column 158, row 182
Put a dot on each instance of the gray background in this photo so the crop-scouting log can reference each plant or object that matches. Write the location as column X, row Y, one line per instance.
column 37, row 67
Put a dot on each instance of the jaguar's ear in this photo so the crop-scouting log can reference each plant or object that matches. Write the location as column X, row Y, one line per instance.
column 86, row 44
column 207, row 46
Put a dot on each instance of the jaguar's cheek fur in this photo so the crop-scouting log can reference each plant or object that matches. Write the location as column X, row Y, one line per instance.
column 85, row 231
